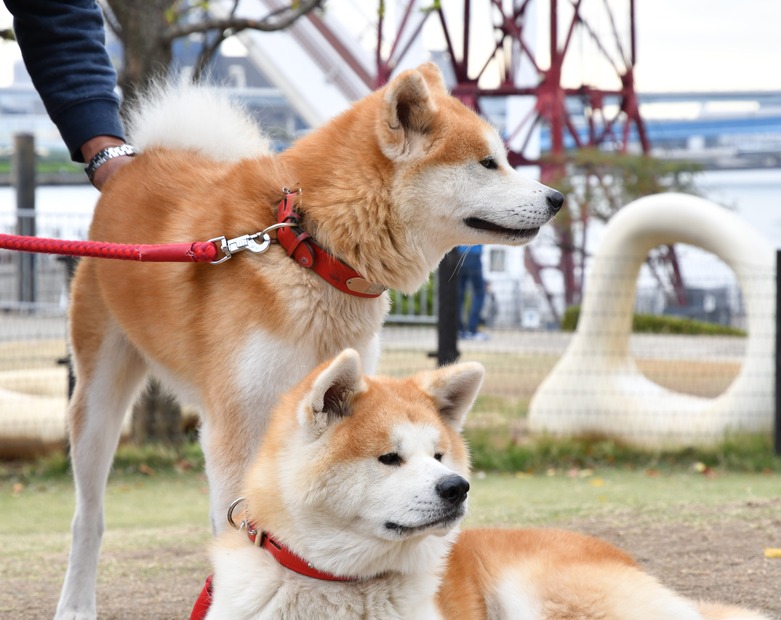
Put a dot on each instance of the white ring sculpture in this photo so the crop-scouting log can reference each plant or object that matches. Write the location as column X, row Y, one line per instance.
column 596, row 388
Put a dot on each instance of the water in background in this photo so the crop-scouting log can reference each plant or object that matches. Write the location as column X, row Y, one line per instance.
column 754, row 194
column 64, row 210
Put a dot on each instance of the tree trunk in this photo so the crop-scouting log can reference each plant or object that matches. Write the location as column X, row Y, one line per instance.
column 141, row 25
column 157, row 417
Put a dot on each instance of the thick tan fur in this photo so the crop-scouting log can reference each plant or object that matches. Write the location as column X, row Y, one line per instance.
column 559, row 575
column 321, row 485
column 388, row 187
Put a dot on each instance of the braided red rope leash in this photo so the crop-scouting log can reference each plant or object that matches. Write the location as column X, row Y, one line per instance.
column 197, row 252
column 297, row 243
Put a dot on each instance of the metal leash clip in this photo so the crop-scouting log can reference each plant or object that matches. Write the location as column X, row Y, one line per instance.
column 231, row 508
column 229, row 247
column 244, row 523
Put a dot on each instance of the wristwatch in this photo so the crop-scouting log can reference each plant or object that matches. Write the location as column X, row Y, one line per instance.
column 102, row 156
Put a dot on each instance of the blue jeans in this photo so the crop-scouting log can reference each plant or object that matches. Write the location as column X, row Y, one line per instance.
column 471, row 275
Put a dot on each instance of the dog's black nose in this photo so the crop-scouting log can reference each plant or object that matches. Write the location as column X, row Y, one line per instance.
column 555, row 201
column 453, row 489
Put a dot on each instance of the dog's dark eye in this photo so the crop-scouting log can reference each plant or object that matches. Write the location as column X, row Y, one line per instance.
column 438, row 456
column 489, row 163
column 392, row 458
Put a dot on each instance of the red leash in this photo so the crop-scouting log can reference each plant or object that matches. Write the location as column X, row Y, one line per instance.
column 299, row 245
column 198, row 252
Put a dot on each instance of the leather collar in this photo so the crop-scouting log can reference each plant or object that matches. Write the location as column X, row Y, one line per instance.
column 300, row 246
column 281, row 554
column 288, row 559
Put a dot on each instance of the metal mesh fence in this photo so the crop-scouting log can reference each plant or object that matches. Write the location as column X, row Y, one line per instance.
column 663, row 377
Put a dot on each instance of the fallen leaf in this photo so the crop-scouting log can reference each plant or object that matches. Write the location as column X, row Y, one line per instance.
column 146, row 470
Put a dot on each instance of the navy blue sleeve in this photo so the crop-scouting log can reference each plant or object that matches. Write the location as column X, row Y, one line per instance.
column 63, row 46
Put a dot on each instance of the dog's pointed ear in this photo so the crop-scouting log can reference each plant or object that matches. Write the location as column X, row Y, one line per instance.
column 408, row 112
column 433, row 76
column 330, row 397
column 453, row 390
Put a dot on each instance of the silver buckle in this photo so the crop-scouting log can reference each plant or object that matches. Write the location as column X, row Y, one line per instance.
column 246, row 242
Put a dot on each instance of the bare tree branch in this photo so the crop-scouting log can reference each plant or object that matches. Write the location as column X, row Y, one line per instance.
column 210, row 48
column 276, row 20
column 110, row 18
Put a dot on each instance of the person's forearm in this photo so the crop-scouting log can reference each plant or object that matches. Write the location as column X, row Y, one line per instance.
column 62, row 43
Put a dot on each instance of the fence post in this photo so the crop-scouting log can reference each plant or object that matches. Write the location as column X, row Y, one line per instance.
column 447, row 321
column 777, row 432
column 24, row 182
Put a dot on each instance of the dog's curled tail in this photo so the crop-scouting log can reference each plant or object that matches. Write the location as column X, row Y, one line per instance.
column 181, row 115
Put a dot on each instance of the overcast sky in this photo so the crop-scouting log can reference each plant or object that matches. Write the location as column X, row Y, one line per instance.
column 682, row 45
column 708, row 45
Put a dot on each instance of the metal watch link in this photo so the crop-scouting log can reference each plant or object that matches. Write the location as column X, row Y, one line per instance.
column 103, row 155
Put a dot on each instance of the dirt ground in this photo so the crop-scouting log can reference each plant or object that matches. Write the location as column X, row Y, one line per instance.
column 722, row 563
column 703, row 561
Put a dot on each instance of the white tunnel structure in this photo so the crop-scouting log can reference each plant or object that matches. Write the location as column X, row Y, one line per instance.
column 596, row 387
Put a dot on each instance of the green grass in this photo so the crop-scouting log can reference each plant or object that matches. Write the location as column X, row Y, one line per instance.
column 180, row 500
column 565, row 495
column 493, row 449
column 497, row 450
column 147, row 460
column 656, row 324
column 132, row 501
column 56, row 162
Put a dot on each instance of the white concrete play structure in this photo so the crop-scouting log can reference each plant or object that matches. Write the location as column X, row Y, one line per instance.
column 32, row 409
column 596, row 387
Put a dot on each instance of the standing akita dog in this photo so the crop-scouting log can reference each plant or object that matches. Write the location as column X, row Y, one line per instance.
column 351, row 511
column 385, row 190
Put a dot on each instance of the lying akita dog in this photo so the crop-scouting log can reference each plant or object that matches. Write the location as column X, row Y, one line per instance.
column 382, row 192
column 351, row 511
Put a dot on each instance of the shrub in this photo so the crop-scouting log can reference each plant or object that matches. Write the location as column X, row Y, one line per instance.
column 659, row 324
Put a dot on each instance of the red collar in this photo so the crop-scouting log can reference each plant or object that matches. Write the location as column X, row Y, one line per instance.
column 308, row 253
column 290, row 560
column 280, row 553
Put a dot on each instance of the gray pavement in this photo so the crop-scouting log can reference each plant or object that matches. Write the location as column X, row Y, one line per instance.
column 20, row 326
column 645, row 346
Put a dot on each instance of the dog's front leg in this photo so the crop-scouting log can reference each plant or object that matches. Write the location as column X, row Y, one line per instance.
column 228, row 449
column 370, row 354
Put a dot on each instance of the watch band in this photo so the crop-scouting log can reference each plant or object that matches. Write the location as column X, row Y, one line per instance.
column 102, row 156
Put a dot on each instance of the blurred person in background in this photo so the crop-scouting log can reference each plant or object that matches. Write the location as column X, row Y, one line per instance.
column 470, row 276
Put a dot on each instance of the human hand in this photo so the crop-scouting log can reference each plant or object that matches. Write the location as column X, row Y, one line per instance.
column 102, row 174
